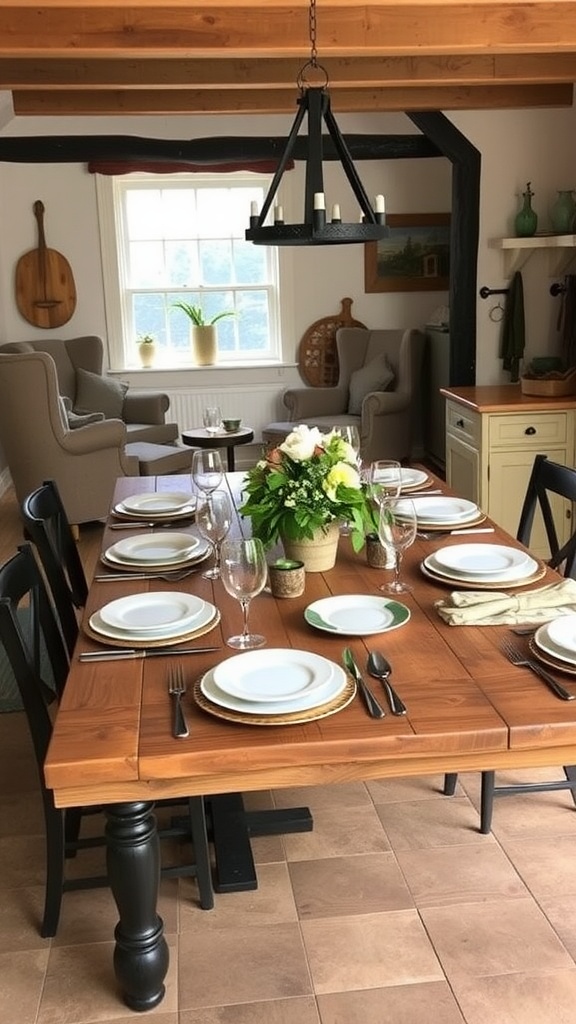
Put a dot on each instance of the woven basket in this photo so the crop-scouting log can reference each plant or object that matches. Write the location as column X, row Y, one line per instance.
column 549, row 387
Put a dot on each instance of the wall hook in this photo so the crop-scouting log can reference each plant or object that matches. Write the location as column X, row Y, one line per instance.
column 486, row 292
column 557, row 288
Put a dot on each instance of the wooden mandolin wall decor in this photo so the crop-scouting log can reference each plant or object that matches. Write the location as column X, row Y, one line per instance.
column 317, row 354
column 45, row 289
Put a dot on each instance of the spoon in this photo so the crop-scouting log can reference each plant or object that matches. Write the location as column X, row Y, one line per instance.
column 381, row 669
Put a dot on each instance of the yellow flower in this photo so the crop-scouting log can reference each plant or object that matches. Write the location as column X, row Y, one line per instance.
column 341, row 473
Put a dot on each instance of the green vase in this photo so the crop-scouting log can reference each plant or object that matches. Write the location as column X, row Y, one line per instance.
column 526, row 220
column 563, row 211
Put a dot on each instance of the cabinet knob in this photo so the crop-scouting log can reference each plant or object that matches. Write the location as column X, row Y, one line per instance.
column 460, row 423
column 530, row 430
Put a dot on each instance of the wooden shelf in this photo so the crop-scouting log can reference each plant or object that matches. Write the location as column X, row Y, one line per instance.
column 561, row 251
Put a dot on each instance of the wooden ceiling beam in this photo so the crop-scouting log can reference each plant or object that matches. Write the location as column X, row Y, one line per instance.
column 277, row 28
column 244, row 73
column 112, row 102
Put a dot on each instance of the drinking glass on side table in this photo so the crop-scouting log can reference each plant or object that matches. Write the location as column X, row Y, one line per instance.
column 212, row 418
column 244, row 572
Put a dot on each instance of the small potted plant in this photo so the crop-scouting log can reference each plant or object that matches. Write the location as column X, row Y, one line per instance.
column 202, row 332
column 147, row 349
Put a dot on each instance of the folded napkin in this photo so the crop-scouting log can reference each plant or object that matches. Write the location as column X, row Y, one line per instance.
column 491, row 608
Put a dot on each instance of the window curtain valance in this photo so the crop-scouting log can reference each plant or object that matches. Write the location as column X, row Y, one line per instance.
column 117, row 167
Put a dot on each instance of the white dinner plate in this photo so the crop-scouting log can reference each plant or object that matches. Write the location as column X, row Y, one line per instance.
column 157, row 504
column 412, row 477
column 505, row 576
column 356, row 614
column 441, row 509
column 334, row 687
column 155, row 548
column 200, row 552
column 184, row 513
column 273, row 675
column 206, row 615
column 480, row 559
column 562, row 632
column 153, row 611
column 543, row 639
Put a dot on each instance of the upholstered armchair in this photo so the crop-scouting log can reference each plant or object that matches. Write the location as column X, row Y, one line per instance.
column 79, row 365
column 377, row 390
column 40, row 445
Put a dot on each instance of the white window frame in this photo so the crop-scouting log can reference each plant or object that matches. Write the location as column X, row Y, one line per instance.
column 121, row 339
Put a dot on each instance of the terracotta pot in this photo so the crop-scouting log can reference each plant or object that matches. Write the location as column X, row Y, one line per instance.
column 318, row 554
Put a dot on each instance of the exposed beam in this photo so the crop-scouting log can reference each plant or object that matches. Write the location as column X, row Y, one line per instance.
column 385, row 27
column 188, row 101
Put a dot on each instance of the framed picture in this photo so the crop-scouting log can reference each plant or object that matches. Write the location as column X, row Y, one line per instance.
column 414, row 257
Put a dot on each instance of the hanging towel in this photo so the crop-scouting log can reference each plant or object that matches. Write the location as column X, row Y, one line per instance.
column 567, row 322
column 513, row 333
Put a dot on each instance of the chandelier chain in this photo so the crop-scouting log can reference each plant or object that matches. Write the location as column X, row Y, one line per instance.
column 312, row 32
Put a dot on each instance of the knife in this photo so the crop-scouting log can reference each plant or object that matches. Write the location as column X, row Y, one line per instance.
column 375, row 710
column 126, row 653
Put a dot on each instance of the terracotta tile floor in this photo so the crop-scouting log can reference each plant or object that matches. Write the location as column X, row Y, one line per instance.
column 393, row 911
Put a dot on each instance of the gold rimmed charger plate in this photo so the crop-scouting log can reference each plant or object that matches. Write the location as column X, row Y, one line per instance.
column 154, row 567
column 288, row 718
column 141, row 642
column 423, row 524
column 550, row 660
column 408, row 489
column 157, row 517
column 463, row 584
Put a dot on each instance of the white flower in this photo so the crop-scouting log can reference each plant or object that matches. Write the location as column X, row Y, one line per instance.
column 300, row 444
column 341, row 473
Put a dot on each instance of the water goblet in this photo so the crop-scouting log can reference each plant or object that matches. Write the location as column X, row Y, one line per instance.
column 207, row 470
column 397, row 530
column 351, row 435
column 212, row 418
column 244, row 572
column 385, row 479
column 213, row 519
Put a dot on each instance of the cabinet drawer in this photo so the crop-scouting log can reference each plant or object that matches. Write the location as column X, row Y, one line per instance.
column 528, row 430
column 462, row 423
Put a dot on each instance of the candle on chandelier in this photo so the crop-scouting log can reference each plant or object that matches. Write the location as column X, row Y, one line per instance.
column 379, row 205
column 253, row 209
column 278, row 215
column 336, row 218
column 319, row 201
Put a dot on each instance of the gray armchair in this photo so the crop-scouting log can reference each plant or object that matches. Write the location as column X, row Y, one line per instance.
column 377, row 390
column 79, row 366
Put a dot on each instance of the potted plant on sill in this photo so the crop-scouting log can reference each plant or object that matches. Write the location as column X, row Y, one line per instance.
column 202, row 332
column 147, row 349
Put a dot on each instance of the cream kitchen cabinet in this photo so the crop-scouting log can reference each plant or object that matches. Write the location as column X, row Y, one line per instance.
column 492, row 437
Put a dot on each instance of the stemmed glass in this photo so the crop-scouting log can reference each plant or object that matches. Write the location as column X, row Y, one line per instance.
column 213, row 519
column 397, row 529
column 207, row 470
column 244, row 572
column 350, row 434
column 385, row 481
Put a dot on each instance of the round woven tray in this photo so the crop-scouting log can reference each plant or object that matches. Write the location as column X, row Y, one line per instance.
column 137, row 644
column 317, row 354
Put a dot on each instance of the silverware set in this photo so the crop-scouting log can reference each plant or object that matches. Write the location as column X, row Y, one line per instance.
column 380, row 668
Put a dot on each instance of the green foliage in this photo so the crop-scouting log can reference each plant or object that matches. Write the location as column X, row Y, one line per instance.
column 310, row 481
column 146, row 339
column 196, row 314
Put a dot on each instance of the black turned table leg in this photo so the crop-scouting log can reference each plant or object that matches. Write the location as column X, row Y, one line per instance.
column 133, row 858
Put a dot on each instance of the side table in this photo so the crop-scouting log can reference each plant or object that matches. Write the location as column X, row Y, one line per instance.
column 200, row 438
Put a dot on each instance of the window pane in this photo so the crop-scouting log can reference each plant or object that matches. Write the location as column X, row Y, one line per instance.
column 216, row 262
column 181, row 264
column 253, row 323
column 149, row 315
column 144, row 213
column 146, row 264
column 179, row 213
column 250, row 263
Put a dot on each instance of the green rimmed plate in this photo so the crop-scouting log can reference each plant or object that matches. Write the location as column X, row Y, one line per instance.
column 356, row 615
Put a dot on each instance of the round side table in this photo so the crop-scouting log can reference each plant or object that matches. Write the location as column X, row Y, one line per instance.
column 200, row 438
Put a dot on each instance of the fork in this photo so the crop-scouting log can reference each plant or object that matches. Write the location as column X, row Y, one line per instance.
column 177, row 689
column 171, row 577
column 517, row 658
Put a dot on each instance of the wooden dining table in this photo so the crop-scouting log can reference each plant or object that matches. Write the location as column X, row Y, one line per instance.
column 469, row 709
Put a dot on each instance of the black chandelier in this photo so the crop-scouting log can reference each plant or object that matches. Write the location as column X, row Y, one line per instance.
column 314, row 101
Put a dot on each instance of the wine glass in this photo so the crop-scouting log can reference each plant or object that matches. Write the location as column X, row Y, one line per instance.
column 244, row 572
column 397, row 529
column 213, row 519
column 212, row 418
column 349, row 433
column 207, row 470
column 385, row 479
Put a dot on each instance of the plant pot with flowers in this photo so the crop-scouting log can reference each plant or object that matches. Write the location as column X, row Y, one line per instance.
column 147, row 349
column 301, row 492
column 202, row 333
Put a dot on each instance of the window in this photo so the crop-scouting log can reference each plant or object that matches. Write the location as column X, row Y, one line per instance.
column 181, row 238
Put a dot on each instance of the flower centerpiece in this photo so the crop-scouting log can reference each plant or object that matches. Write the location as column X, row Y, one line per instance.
column 304, row 489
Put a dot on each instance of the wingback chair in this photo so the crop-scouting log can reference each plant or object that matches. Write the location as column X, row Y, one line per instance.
column 79, row 366
column 39, row 444
column 378, row 390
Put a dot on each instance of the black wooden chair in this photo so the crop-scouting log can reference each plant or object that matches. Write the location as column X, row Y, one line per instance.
column 546, row 477
column 36, row 653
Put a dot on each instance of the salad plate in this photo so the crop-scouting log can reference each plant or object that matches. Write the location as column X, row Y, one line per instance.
column 152, row 611
column 504, row 576
column 356, row 614
column 161, row 547
column 273, row 675
column 562, row 632
column 442, row 509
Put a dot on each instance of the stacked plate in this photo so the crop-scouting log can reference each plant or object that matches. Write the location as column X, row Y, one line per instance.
column 272, row 687
column 445, row 513
column 156, row 551
column 161, row 506
column 488, row 566
column 555, row 644
column 154, row 619
column 413, row 480
column 356, row 614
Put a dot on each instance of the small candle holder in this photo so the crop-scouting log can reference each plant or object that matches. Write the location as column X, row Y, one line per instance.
column 377, row 556
column 287, row 578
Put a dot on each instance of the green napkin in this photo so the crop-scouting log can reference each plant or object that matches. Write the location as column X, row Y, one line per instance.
column 493, row 608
